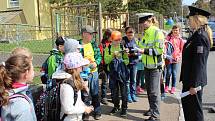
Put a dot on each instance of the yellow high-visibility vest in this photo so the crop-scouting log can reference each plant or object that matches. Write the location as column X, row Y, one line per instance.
column 153, row 40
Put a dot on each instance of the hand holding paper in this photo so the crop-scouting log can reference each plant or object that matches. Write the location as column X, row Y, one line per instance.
column 184, row 94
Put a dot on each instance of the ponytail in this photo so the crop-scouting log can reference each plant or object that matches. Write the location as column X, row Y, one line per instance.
column 210, row 35
column 11, row 71
column 5, row 84
column 154, row 21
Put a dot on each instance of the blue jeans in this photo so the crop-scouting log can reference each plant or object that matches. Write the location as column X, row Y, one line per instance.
column 171, row 71
column 131, row 84
column 94, row 92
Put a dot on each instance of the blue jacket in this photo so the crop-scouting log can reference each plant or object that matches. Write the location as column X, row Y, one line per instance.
column 19, row 108
column 131, row 45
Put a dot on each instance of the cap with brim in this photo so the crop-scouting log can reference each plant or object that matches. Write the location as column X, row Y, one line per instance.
column 71, row 45
column 60, row 74
column 144, row 18
column 197, row 11
column 88, row 29
column 74, row 60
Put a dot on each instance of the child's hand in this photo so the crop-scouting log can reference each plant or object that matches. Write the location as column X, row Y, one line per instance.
column 88, row 109
column 116, row 54
column 93, row 65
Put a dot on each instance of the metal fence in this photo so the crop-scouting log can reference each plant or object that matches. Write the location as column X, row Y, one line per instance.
column 19, row 32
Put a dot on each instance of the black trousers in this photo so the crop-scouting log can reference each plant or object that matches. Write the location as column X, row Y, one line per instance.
column 192, row 106
column 120, row 87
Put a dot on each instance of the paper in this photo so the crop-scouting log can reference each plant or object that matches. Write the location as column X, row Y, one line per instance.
column 184, row 94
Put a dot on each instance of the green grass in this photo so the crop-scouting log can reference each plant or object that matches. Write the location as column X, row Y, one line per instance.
column 35, row 46
column 36, row 79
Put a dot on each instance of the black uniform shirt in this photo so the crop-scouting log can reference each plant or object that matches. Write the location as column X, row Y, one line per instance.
column 194, row 60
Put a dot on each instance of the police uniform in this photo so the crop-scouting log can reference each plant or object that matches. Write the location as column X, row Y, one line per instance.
column 152, row 43
column 194, row 69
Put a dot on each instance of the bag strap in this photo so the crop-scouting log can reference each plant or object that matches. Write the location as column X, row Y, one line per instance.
column 109, row 49
column 72, row 84
column 19, row 96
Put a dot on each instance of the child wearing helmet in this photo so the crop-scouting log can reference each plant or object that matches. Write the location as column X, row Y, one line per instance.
column 117, row 58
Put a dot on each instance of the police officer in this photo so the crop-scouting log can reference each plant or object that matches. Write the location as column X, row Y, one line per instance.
column 194, row 63
column 151, row 47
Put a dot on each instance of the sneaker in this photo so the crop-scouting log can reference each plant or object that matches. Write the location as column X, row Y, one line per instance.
column 134, row 98
column 123, row 113
column 97, row 116
column 141, row 90
column 138, row 90
column 166, row 89
column 148, row 113
column 104, row 101
column 173, row 90
column 86, row 117
column 152, row 119
column 129, row 99
column 114, row 111
column 163, row 96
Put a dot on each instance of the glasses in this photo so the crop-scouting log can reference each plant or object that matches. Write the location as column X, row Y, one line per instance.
column 131, row 32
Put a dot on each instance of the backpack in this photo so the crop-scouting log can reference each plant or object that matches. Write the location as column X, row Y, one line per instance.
column 44, row 69
column 48, row 106
column 169, row 51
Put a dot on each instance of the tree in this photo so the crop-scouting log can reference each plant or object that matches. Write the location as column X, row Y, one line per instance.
column 108, row 6
column 164, row 7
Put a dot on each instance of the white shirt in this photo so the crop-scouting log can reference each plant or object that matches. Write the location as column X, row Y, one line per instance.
column 74, row 112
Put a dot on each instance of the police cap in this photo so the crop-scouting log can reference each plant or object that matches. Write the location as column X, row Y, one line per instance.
column 198, row 11
column 145, row 17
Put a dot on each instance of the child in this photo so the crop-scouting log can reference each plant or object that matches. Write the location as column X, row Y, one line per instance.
column 172, row 66
column 54, row 61
column 73, row 65
column 22, row 51
column 15, row 73
column 114, row 53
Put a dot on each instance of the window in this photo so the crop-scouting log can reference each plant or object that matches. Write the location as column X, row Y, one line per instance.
column 13, row 3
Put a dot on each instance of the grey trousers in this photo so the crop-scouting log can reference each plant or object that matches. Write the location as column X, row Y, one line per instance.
column 152, row 79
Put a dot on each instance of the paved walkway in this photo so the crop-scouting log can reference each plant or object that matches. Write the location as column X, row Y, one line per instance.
column 170, row 110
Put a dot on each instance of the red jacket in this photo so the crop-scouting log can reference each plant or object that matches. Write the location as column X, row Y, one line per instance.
column 178, row 44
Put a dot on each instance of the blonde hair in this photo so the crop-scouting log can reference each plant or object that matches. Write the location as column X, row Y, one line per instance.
column 199, row 21
column 154, row 21
column 22, row 51
column 76, row 78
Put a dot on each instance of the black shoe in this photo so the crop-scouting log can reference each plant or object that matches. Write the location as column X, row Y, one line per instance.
column 104, row 101
column 152, row 119
column 114, row 111
column 148, row 113
column 86, row 117
column 97, row 116
column 123, row 113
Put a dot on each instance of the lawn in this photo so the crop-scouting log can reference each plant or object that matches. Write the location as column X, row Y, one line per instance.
column 36, row 46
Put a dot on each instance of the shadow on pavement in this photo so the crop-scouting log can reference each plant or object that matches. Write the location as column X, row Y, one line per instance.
column 107, row 108
column 170, row 100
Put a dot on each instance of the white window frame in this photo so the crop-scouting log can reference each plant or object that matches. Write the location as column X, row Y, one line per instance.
column 13, row 3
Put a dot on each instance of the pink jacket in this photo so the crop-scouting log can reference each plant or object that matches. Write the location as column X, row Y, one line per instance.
column 178, row 44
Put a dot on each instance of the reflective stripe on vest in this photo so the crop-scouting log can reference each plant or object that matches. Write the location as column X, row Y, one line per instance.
column 151, row 62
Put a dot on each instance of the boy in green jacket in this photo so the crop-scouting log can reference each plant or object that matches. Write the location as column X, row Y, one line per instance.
column 117, row 58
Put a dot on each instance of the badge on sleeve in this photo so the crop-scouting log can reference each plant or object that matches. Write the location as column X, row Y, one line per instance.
column 200, row 49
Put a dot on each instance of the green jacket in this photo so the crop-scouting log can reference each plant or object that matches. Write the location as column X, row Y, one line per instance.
column 108, row 57
column 97, row 53
column 54, row 60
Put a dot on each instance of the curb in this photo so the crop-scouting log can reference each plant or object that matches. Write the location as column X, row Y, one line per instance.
column 181, row 114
